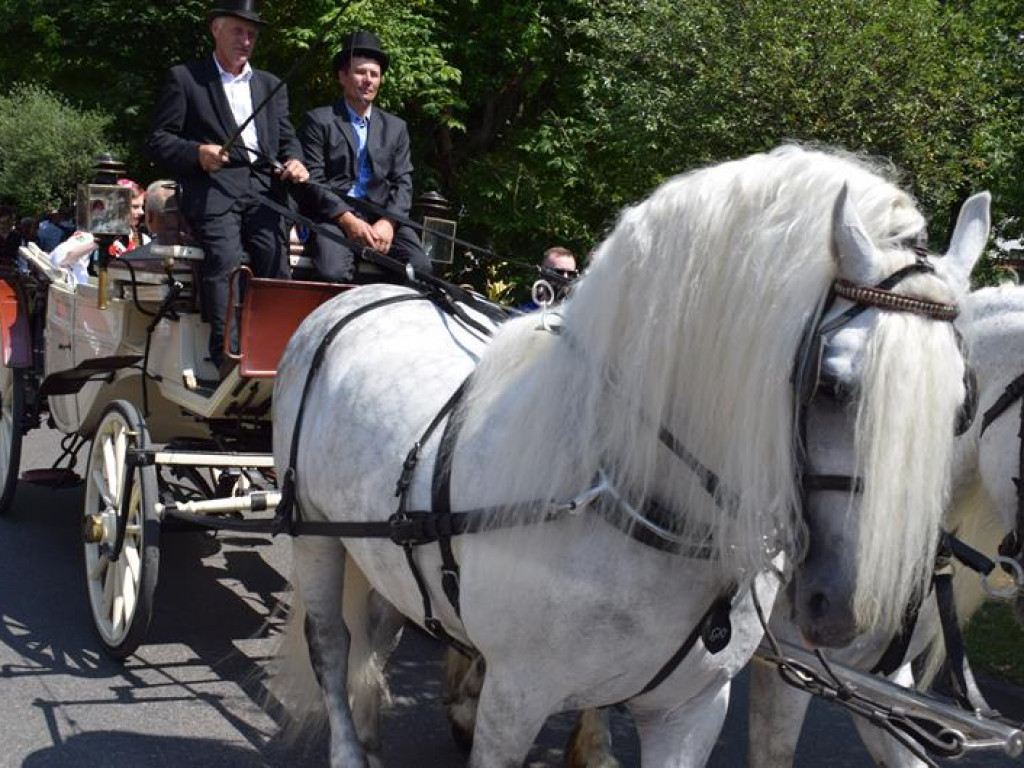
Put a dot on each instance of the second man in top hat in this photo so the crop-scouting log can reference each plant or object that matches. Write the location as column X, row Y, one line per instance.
column 358, row 152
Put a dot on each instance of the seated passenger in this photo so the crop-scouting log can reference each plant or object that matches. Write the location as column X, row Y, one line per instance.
column 354, row 152
column 74, row 256
column 161, row 218
column 76, row 253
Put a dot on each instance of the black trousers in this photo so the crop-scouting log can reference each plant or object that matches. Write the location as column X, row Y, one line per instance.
column 336, row 263
column 247, row 227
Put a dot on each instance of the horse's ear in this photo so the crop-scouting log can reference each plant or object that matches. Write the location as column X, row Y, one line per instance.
column 853, row 246
column 969, row 238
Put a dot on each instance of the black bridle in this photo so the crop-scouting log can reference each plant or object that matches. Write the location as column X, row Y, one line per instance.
column 809, row 381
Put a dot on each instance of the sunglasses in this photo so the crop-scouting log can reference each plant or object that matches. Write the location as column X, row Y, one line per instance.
column 569, row 274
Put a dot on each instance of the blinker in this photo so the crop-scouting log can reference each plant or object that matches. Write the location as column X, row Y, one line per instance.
column 716, row 632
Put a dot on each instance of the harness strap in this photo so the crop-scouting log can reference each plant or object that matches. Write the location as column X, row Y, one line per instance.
column 285, row 516
column 441, row 501
column 844, row 483
column 949, row 547
column 896, row 652
column 442, row 530
column 965, row 688
column 715, row 620
column 1013, row 392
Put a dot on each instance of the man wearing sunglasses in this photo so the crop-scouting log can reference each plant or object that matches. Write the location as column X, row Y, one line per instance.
column 560, row 261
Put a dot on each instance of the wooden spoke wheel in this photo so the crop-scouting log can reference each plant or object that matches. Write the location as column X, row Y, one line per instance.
column 121, row 531
column 12, row 414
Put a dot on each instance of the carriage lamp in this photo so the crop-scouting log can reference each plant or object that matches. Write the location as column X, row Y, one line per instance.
column 104, row 208
column 438, row 234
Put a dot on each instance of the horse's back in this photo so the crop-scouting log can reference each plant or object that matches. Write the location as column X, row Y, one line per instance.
column 383, row 376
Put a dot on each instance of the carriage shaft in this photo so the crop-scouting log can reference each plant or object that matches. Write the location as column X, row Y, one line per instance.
column 256, row 501
column 979, row 733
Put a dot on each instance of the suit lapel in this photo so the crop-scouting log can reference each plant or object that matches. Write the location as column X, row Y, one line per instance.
column 259, row 92
column 374, row 136
column 219, row 99
column 345, row 124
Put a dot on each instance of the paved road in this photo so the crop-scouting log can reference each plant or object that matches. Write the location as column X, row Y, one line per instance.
column 188, row 698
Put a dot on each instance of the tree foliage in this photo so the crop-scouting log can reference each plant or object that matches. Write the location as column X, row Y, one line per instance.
column 543, row 119
column 47, row 147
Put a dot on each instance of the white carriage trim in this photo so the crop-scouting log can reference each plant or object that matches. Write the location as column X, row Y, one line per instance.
column 198, row 459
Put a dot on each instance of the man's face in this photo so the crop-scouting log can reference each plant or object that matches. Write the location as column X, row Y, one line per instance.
column 234, row 40
column 360, row 82
column 566, row 265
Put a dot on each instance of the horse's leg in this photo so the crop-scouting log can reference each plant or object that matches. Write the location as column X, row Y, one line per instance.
column 320, row 575
column 509, row 716
column 884, row 749
column 681, row 737
column 590, row 744
column 775, row 713
column 464, row 678
column 374, row 626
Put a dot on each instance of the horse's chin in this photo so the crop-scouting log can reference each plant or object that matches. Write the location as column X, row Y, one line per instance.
column 828, row 637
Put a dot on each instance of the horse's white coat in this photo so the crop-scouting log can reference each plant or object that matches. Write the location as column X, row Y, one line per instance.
column 689, row 317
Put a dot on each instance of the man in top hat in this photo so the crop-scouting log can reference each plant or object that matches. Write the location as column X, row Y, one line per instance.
column 357, row 152
column 202, row 106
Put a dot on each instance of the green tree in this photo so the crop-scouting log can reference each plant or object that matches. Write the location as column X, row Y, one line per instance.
column 47, row 147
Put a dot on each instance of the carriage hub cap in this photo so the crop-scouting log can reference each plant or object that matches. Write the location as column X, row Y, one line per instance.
column 96, row 528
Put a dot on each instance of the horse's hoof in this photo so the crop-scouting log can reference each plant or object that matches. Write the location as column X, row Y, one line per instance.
column 463, row 738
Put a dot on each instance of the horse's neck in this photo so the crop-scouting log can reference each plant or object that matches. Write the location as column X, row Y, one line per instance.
column 974, row 520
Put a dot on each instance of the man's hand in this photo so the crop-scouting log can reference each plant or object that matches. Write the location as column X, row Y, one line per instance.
column 295, row 171
column 385, row 233
column 212, row 157
column 358, row 231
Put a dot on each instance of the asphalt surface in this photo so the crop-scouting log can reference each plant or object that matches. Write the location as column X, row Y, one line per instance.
column 190, row 696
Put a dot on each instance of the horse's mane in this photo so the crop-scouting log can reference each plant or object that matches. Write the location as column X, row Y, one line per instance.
column 689, row 316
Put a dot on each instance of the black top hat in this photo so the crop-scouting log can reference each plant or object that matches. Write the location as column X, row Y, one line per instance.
column 243, row 9
column 361, row 43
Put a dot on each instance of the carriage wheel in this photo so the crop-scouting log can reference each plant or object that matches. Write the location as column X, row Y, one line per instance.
column 12, row 414
column 121, row 589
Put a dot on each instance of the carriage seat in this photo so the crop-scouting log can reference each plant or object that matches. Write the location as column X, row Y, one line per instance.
column 271, row 312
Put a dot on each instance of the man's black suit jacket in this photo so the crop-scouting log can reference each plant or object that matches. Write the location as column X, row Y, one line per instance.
column 330, row 146
column 193, row 109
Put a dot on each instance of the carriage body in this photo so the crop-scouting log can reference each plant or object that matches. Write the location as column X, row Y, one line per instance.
column 131, row 376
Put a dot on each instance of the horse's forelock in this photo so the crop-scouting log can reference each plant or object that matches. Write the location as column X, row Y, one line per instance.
column 910, row 392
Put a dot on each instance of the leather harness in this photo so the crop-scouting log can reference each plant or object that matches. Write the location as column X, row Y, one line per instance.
column 412, row 528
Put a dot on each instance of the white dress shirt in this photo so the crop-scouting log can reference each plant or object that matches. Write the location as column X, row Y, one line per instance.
column 239, row 94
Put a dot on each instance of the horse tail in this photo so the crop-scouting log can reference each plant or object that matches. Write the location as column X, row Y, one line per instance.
column 293, row 684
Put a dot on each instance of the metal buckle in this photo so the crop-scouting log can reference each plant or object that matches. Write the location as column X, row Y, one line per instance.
column 411, row 530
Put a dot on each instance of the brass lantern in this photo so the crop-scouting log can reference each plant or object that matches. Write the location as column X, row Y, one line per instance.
column 438, row 235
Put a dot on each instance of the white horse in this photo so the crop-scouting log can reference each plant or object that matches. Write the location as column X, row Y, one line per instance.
column 983, row 512
column 989, row 321
column 670, row 381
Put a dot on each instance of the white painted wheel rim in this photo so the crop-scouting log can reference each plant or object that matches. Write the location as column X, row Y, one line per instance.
column 114, row 587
